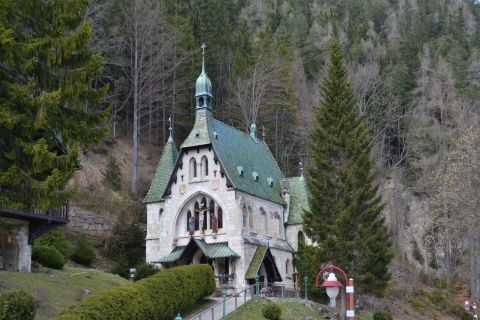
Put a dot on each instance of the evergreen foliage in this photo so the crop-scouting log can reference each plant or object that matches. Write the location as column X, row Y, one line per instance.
column 272, row 311
column 160, row 296
column 145, row 270
column 17, row 305
column 56, row 238
column 112, row 177
column 345, row 210
column 48, row 256
column 83, row 253
column 48, row 101
column 127, row 247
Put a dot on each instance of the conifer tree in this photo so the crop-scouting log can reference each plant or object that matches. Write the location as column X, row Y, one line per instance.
column 48, row 101
column 345, row 211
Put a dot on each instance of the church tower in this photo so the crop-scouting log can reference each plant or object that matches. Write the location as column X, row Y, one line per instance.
column 203, row 88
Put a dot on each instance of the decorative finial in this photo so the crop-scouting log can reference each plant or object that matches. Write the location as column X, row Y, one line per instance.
column 301, row 170
column 203, row 46
column 253, row 131
column 170, row 129
column 263, row 133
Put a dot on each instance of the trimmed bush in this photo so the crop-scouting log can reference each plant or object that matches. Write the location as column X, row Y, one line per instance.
column 16, row 305
column 382, row 315
column 160, row 296
column 84, row 253
column 48, row 256
column 57, row 239
column 272, row 311
column 145, row 270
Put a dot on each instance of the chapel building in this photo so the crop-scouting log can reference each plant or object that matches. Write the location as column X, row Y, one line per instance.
column 222, row 199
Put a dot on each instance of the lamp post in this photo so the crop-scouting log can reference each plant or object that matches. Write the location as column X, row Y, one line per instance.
column 350, row 314
column 333, row 288
column 133, row 273
column 471, row 307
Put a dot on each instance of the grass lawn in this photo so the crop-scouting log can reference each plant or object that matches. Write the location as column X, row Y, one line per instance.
column 291, row 310
column 59, row 289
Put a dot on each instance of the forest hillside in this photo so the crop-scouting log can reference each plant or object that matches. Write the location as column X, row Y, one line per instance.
column 414, row 66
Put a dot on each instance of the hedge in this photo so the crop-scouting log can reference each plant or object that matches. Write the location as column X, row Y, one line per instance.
column 158, row 297
column 48, row 256
column 17, row 305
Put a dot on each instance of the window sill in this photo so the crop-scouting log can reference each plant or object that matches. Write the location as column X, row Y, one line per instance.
column 197, row 181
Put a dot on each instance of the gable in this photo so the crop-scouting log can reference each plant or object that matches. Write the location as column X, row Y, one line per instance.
column 163, row 172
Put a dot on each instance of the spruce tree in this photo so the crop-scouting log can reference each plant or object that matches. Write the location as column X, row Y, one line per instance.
column 112, row 177
column 344, row 219
column 48, row 100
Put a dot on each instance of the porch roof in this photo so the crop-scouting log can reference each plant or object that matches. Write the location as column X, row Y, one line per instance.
column 263, row 254
column 210, row 250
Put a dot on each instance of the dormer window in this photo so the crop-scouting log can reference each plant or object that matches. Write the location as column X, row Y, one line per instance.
column 255, row 175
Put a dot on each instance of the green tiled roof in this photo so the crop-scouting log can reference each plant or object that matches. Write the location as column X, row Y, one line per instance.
column 200, row 134
column 236, row 149
column 216, row 250
column 298, row 199
column 163, row 172
column 256, row 262
column 173, row 256
column 210, row 250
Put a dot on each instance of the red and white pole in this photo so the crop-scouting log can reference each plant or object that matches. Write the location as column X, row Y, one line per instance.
column 350, row 300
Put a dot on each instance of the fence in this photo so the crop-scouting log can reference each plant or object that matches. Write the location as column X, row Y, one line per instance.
column 226, row 305
column 238, row 298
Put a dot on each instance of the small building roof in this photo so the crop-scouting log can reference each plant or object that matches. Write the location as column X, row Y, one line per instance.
column 210, row 250
column 298, row 199
column 163, row 172
column 262, row 254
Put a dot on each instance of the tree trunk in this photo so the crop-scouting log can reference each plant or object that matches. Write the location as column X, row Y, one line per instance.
column 136, row 108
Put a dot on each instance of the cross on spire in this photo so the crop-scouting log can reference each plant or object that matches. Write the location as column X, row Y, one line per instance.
column 203, row 46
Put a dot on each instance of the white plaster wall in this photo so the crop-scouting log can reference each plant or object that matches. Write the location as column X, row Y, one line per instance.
column 167, row 230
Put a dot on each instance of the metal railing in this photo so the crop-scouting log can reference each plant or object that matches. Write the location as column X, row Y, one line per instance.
column 276, row 290
column 238, row 298
column 60, row 212
column 226, row 305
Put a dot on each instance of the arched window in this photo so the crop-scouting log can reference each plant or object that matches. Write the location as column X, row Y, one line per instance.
column 220, row 217
column 301, row 238
column 197, row 216
column 204, row 166
column 265, row 220
column 201, row 101
column 244, row 216
column 190, row 226
column 193, row 168
column 211, row 210
column 204, row 214
column 287, row 267
column 250, row 218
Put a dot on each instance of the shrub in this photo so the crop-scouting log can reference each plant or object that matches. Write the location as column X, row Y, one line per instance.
column 382, row 315
column 112, row 177
column 48, row 256
column 272, row 311
column 84, row 253
column 122, row 267
column 145, row 270
column 160, row 296
column 57, row 239
column 17, row 305
column 127, row 242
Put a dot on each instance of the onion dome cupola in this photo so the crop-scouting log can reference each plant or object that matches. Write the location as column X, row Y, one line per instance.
column 203, row 87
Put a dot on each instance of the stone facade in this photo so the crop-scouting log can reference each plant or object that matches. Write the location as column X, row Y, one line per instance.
column 221, row 200
column 15, row 251
column 98, row 226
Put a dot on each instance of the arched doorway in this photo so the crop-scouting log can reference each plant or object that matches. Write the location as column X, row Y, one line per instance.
column 9, row 251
